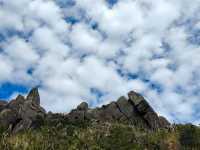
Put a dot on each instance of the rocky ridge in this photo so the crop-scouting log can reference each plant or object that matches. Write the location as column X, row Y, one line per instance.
column 22, row 113
column 25, row 113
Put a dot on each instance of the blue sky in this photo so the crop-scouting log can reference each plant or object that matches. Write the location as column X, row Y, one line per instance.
column 78, row 50
column 7, row 89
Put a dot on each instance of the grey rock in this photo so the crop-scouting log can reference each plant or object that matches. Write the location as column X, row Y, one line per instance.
column 125, row 107
column 22, row 113
column 2, row 104
column 76, row 115
column 26, row 113
column 34, row 96
column 135, row 98
column 143, row 107
column 135, row 110
column 8, row 117
column 130, row 112
column 145, row 110
column 31, row 110
column 22, row 124
column 152, row 120
column 164, row 122
column 108, row 112
column 17, row 103
column 83, row 106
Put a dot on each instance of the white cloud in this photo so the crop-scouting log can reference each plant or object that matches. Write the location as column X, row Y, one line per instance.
column 85, row 39
column 146, row 38
column 6, row 68
column 124, row 17
column 20, row 52
column 45, row 40
column 164, row 77
column 48, row 12
column 11, row 21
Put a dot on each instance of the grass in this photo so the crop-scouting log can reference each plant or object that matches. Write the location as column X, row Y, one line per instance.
column 100, row 136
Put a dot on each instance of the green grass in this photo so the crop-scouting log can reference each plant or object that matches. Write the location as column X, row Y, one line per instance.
column 100, row 136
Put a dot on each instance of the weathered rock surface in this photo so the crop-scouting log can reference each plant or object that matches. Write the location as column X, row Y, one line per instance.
column 146, row 111
column 2, row 104
column 25, row 113
column 135, row 110
column 22, row 113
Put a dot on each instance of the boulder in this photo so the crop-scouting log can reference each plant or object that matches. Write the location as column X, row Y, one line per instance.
column 145, row 110
column 131, row 114
column 83, row 106
column 125, row 107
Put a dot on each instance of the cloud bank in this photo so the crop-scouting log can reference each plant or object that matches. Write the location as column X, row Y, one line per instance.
column 81, row 50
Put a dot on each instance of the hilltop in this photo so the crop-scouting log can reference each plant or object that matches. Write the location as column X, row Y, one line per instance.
column 123, row 124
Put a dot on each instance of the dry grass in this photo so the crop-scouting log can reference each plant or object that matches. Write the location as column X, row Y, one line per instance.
column 104, row 136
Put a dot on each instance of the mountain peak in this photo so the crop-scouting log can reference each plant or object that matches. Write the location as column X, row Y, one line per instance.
column 34, row 96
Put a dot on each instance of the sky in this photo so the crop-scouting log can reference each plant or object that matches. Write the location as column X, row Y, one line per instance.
column 99, row 50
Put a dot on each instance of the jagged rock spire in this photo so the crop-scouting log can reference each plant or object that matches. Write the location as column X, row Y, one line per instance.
column 34, row 96
column 22, row 113
column 135, row 98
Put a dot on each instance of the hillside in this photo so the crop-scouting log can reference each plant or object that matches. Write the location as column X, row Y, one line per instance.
column 126, row 124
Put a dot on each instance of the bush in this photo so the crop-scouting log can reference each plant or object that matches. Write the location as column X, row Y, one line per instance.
column 189, row 135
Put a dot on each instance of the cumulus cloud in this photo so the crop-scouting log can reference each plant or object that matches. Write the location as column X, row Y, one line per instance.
column 84, row 39
column 20, row 52
column 6, row 69
column 83, row 50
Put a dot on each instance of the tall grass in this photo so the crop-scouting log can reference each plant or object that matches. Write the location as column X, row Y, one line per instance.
column 100, row 136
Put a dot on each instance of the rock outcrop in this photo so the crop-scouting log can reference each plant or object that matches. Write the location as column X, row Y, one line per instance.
column 135, row 111
column 2, row 104
column 25, row 113
column 22, row 113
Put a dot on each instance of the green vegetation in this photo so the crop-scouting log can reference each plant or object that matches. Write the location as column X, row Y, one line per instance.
column 62, row 135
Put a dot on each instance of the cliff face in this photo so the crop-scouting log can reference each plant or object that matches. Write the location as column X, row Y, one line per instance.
column 25, row 113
